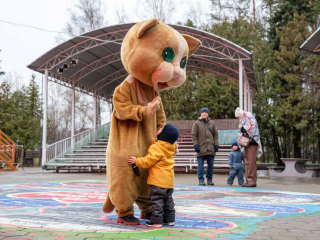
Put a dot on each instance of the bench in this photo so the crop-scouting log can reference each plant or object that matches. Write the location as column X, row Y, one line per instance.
column 314, row 169
column 294, row 167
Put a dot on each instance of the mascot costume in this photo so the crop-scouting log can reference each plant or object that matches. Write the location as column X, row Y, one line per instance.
column 155, row 56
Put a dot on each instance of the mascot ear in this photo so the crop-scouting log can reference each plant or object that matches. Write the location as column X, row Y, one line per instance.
column 193, row 43
column 146, row 25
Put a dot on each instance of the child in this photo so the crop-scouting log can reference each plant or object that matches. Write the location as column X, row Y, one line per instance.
column 161, row 175
column 236, row 158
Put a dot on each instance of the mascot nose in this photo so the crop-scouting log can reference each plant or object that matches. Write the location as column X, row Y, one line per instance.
column 175, row 75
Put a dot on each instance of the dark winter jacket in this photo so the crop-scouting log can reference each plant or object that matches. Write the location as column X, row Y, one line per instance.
column 205, row 134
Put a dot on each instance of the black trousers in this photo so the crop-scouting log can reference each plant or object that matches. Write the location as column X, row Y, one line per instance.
column 162, row 205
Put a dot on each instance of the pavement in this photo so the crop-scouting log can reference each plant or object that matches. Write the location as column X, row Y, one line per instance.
column 37, row 204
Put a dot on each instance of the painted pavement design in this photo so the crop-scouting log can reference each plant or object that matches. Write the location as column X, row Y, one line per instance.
column 72, row 210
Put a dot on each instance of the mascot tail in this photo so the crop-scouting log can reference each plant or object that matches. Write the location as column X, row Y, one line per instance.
column 107, row 205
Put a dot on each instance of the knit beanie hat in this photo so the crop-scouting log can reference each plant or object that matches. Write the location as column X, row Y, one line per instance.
column 169, row 134
column 204, row 110
column 238, row 112
column 235, row 143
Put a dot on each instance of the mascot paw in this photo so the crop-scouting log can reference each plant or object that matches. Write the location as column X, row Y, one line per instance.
column 128, row 220
column 153, row 106
column 136, row 170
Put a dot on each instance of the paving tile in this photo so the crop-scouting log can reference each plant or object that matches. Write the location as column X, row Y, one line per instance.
column 257, row 236
column 292, row 234
column 283, row 237
column 308, row 238
column 296, row 226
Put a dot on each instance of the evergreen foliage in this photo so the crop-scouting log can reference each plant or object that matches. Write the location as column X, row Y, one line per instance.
column 20, row 113
column 201, row 90
column 283, row 12
column 286, row 105
column 1, row 73
column 287, row 102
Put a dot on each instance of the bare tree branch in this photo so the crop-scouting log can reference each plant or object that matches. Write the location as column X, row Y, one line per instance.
column 162, row 9
column 122, row 16
column 87, row 15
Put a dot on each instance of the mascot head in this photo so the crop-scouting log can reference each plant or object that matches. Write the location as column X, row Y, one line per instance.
column 156, row 54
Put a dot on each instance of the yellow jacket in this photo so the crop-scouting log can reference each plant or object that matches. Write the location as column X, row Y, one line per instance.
column 160, row 163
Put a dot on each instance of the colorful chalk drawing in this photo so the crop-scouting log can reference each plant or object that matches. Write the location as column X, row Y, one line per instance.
column 73, row 208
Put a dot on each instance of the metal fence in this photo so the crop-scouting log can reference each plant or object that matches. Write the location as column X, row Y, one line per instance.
column 58, row 149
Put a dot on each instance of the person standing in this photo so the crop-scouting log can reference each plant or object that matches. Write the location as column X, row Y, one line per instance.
column 248, row 126
column 205, row 139
column 160, row 162
column 236, row 158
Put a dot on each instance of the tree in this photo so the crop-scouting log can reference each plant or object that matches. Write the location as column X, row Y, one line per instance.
column 200, row 90
column 1, row 73
column 284, row 11
column 87, row 16
column 199, row 16
column 122, row 16
column 26, row 115
column 5, row 107
column 162, row 9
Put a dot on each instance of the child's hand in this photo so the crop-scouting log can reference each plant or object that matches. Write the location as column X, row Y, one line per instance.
column 132, row 160
column 230, row 166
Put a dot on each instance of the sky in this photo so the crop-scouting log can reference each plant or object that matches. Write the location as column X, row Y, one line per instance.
column 20, row 45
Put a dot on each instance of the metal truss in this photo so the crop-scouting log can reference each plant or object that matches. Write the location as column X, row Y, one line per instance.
column 115, row 76
column 65, row 55
column 317, row 49
column 94, row 66
column 220, row 46
column 64, row 82
column 216, row 55
column 207, row 66
column 229, row 64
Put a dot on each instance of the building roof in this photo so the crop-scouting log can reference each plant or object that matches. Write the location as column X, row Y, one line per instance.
column 100, row 68
column 312, row 44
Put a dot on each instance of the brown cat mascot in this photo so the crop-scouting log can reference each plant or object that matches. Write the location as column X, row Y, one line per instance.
column 155, row 56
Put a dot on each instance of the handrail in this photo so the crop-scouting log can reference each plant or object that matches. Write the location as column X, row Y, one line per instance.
column 7, row 151
column 64, row 146
column 69, row 138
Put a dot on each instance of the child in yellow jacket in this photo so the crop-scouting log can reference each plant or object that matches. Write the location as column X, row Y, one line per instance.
column 161, row 175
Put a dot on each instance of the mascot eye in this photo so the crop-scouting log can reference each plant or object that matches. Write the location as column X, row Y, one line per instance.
column 168, row 54
column 183, row 62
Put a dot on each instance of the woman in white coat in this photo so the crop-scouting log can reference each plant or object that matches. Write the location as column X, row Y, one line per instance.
column 248, row 126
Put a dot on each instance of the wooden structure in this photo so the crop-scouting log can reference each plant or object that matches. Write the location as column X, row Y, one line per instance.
column 7, row 153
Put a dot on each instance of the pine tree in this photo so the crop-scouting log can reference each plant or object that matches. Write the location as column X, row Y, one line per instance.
column 6, row 106
column 292, row 105
column 284, row 11
column 25, row 115
column 1, row 73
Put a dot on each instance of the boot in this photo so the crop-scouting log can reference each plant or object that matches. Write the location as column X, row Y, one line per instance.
column 128, row 220
column 146, row 216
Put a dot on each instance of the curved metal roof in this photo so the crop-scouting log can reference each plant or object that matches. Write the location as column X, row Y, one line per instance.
column 312, row 44
column 100, row 68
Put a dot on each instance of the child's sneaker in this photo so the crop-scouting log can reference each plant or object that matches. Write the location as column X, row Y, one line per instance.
column 146, row 216
column 151, row 224
column 169, row 223
column 230, row 185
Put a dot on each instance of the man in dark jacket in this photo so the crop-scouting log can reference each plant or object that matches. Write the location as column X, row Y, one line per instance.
column 206, row 144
